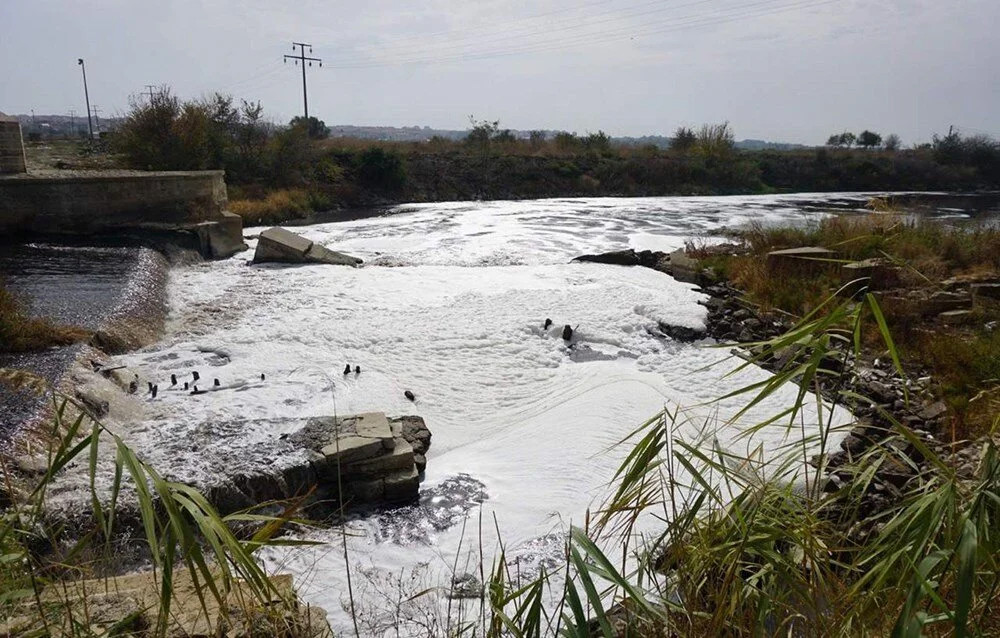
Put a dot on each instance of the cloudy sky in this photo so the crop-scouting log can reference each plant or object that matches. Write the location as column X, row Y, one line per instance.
column 790, row 70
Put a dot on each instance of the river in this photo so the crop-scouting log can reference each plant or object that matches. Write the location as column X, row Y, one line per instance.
column 450, row 305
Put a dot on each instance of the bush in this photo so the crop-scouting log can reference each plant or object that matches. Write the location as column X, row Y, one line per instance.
column 276, row 207
column 381, row 169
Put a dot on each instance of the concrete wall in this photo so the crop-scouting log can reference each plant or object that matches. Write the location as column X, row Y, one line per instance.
column 93, row 203
column 11, row 146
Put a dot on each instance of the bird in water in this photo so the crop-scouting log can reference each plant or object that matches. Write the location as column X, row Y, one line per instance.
column 261, row 376
column 567, row 332
column 548, row 322
column 195, row 375
column 409, row 395
column 133, row 386
column 357, row 369
column 216, row 383
column 96, row 365
column 186, row 385
column 149, row 387
column 154, row 391
column 347, row 369
column 173, row 380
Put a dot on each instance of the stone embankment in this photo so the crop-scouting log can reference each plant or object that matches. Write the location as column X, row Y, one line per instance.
column 899, row 421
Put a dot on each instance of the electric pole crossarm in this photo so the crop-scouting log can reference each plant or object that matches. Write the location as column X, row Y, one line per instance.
column 302, row 58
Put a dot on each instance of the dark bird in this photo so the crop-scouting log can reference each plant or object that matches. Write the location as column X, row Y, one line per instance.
column 548, row 322
column 357, row 369
column 185, row 385
column 133, row 386
column 261, row 376
column 347, row 370
column 195, row 390
column 195, row 375
column 149, row 386
column 96, row 365
column 155, row 390
column 567, row 332
column 216, row 383
column 409, row 395
column 173, row 380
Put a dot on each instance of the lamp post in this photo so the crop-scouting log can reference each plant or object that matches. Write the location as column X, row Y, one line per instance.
column 86, row 95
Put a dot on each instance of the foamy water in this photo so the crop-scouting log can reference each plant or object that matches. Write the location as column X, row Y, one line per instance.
column 450, row 305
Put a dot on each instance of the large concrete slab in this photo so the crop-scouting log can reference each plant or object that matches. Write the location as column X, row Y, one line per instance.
column 283, row 246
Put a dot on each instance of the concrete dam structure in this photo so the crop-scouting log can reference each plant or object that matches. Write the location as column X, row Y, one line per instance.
column 186, row 208
column 11, row 146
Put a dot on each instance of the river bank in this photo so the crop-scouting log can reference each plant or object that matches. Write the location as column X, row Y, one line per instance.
column 451, row 299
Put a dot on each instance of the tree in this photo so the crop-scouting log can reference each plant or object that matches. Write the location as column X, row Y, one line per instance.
column 684, row 139
column 537, row 138
column 892, row 142
column 844, row 139
column 316, row 129
column 869, row 139
column 599, row 142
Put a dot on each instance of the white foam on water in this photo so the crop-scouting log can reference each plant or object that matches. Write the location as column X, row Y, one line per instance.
column 450, row 306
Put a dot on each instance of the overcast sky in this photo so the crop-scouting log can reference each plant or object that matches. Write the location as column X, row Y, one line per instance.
column 788, row 70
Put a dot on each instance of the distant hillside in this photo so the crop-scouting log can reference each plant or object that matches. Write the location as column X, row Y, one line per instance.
column 424, row 133
column 61, row 125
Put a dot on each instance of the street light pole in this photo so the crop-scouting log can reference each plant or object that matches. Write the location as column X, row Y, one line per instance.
column 86, row 95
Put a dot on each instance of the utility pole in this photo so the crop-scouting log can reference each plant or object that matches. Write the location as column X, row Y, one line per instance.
column 86, row 95
column 150, row 87
column 301, row 57
column 97, row 119
column 72, row 123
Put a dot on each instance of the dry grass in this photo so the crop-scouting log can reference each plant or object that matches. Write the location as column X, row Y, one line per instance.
column 964, row 360
column 20, row 333
column 274, row 207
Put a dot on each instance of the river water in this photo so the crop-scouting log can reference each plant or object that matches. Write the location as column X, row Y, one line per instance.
column 450, row 305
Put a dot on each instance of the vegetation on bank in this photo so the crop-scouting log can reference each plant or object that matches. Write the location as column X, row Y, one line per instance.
column 21, row 333
column 916, row 266
column 491, row 163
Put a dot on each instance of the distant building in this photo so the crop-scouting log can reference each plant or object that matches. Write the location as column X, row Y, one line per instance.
column 11, row 146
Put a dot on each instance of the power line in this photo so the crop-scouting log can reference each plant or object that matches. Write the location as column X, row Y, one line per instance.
column 301, row 57
column 664, row 26
column 456, row 42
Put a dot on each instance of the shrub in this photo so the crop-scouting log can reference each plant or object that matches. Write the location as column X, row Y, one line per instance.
column 381, row 169
column 277, row 206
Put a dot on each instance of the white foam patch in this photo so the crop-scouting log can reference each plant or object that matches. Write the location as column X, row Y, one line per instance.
column 457, row 320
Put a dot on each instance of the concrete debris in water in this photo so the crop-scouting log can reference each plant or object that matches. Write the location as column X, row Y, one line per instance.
column 133, row 387
column 409, row 395
column 279, row 245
